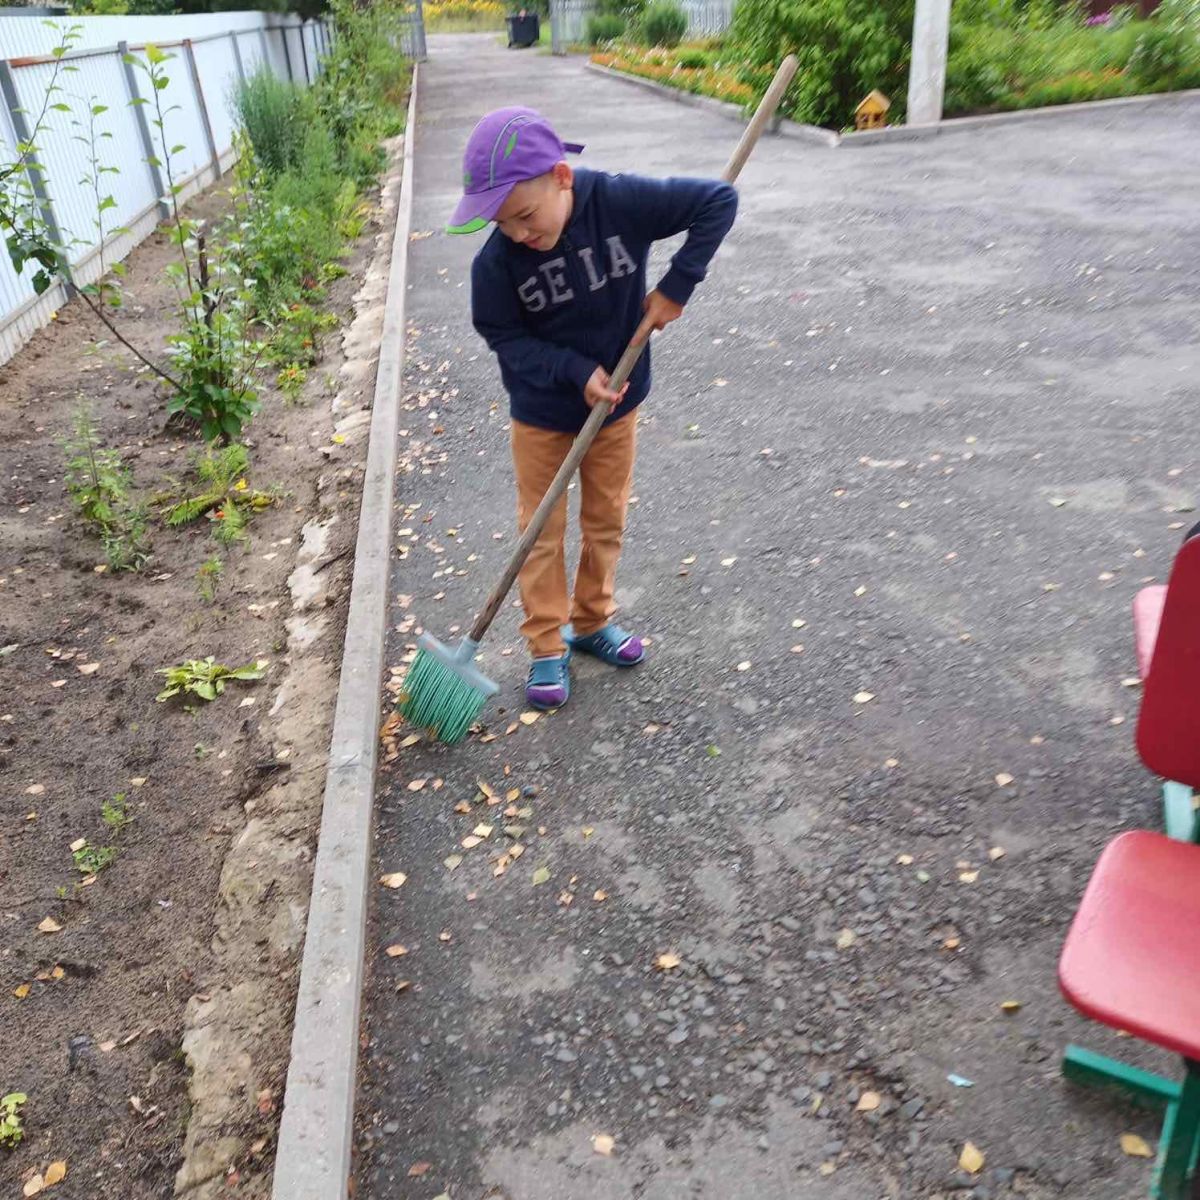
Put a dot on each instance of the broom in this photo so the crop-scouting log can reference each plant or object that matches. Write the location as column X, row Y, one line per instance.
column 444, row 691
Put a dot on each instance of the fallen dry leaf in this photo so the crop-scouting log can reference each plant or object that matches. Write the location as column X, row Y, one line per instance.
column 971, row 1159
column 528, row 718
column 33, row 1185
column 846, row 938
column 87, row 669
column 417, row 785
column 863, row 697
column 968, row 876
column 603, row 1144
column 996, row 853
column 868, row 1102
column 394, row 880
column 1010, row 1006
column 667, row 962
column 58, row 973
column 107, row 1047
column 49, row 925
column 418, row 1169
column 1003, row 779
column 951, row 943
column 599, row 895
column 540, row 876
column 396, row 951
column 471, row 841
column 1135, row 1146
column 905, row 860
column 21, row 991
column 35, row 789
column 138, row 781
column 78, row 844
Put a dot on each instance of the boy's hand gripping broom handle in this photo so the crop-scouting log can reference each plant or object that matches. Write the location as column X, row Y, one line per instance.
column 601, row 411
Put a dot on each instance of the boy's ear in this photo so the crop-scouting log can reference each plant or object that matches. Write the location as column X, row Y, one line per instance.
column 563, row 175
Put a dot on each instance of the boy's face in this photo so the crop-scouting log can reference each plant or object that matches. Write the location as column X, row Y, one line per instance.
column 537, row 210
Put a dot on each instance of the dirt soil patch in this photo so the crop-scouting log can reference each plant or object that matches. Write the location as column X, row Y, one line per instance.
column 97, row 976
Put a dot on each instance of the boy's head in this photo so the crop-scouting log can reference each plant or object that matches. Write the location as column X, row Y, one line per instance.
column 514, row 173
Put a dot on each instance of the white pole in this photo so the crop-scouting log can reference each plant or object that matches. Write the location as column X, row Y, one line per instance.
column 927, row 74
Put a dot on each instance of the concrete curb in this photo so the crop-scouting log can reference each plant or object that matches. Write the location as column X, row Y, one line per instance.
column 720, row 108
column 815, row 135
column 912, row 133
column 316, row 1132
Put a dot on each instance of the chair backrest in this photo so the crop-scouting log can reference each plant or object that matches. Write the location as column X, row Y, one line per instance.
column 1168, row 729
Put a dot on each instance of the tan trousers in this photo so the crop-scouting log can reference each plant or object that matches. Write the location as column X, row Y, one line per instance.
column 606, row 476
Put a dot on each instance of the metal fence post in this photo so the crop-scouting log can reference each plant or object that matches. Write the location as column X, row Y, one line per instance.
column 558, row 41
column 266, row 49
column 419, row 49
column 304, row 52
column 138, row 104
column 237, row 54
column 287, row 54
column 190, row 54
column 33, row 168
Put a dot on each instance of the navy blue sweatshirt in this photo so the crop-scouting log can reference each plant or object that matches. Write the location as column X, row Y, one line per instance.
column 553, row 316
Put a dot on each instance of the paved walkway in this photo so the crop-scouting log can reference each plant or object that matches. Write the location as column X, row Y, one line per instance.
column 859, row 442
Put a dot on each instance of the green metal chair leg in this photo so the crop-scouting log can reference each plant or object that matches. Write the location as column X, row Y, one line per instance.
column 1081, row 1065
column 1177, row 1148
column 1179, row 812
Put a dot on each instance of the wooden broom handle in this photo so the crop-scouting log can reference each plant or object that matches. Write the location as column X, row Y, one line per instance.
column 638, row 343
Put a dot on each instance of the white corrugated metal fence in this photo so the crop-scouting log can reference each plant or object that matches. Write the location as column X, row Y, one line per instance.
column 210, row 53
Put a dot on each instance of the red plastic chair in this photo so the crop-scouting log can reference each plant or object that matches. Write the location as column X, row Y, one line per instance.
column 1168, row 730
column 1132, row 957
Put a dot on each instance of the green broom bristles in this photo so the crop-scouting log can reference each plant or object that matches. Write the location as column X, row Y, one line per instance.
column 437, row 698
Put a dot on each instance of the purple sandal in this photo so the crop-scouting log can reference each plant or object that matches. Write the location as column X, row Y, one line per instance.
column 549, row 682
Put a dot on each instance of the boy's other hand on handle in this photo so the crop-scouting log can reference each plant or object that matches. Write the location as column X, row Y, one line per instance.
column 660, row 311
column 598, row 390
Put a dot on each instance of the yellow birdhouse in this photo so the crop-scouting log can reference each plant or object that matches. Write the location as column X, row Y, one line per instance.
column 872, row 112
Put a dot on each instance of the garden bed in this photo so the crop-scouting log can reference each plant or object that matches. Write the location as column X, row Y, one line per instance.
column 1002, row 57
column 187, row 900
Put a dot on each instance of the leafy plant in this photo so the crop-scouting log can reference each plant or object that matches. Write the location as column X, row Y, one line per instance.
column 99, row 483
column 204, row 677
column 664, row 23
column 216, row 354
column 208, row 577
column 11, row 1131
column 22, row 218
column 290, row 381
column 91, row 860
column 115, row 812
column 221, row 487
column 276, row 117
column 693, row 60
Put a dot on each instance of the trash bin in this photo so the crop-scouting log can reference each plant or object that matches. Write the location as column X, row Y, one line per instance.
column 523, row 29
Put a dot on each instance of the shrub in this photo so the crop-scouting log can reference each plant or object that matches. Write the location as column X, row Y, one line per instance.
column 604, row 27
column 845, row 48
column 1165, row 57
column 663, row 23
column 693, row 60
column 277, row 117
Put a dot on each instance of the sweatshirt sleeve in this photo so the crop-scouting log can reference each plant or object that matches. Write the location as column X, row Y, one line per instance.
column 498, row 318
column 705, row 208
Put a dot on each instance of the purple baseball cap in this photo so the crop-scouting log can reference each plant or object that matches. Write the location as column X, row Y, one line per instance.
column 507, row 147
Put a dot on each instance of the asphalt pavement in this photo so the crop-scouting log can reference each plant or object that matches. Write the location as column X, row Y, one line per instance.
column 910, row 454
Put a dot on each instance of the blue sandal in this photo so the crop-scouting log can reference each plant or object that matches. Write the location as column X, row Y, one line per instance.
column 612, row 644
column 549, row 682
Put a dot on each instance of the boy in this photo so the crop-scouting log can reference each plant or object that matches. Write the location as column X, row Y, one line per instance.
column 557, row 292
